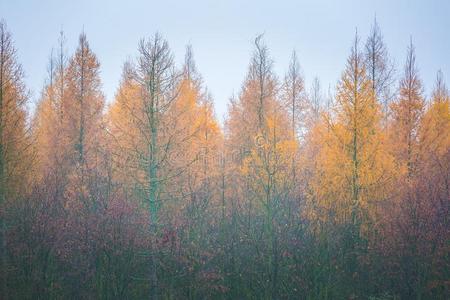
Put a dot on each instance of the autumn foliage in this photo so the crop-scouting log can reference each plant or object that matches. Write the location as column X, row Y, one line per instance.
column 297, row 196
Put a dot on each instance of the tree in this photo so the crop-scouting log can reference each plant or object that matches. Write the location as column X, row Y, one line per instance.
column 295, row 101
column 407, row 112
column 418, row 219
column 47, row 123
column 266, row 147
column 303, row 195
column 257, row 103
column 194, row 113
column 294, row 98
column 147, row 92
column 434, row 127
column 80, row 172
column 14, row 139
column 434, row 161
column 352, row 172
column 315, row 100
column 379, row 68
column 85, row 103
column 353, row 163
column 434, row 183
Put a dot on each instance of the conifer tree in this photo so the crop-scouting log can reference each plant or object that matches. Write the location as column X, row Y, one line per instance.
column 407, row 113
column 14, row 139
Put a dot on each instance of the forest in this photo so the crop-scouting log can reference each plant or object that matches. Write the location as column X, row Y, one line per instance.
column 300, row 193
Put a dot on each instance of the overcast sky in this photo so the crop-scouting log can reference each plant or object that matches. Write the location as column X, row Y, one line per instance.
column 221, row 33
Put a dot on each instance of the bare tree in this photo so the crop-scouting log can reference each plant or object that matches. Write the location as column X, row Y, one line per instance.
column 261, row 72
column 379, row 68
column 190, row 68
column 294, row 97
column 315, row 98
column 440, row 91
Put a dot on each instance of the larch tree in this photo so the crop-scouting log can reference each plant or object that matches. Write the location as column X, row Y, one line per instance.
column 315, row 99
column 266, row 147
column 433, row 132
column 313, row 120
column 14, row 139
column 352, row 162
column 59, row 87
column 185, row 127
column 79, row 119
column 148, row 91
column 434, row 143
column 251, row 110
column 350, row 171
column 419, row 219
column 295, row 102
column 196, row 135
column 294, row 98
column 407, row 112
column 124, row 117
column 253, row 107
column 43, row 125
column 48, row 120
column 338, row 195
column 258, row 100
column 84, row 104
column 379, row 69
column 434, row 139
column 195, row 111
column 262, row 81
column 140, row 120
column 80, row 116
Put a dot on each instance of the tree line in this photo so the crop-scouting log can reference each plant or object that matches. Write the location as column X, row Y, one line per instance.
column 301, row 194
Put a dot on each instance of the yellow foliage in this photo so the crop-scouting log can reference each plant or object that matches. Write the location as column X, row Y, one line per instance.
column 435, row 129
column 351, row 168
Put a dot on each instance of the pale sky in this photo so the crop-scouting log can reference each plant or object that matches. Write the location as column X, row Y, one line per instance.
column 221, row 33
